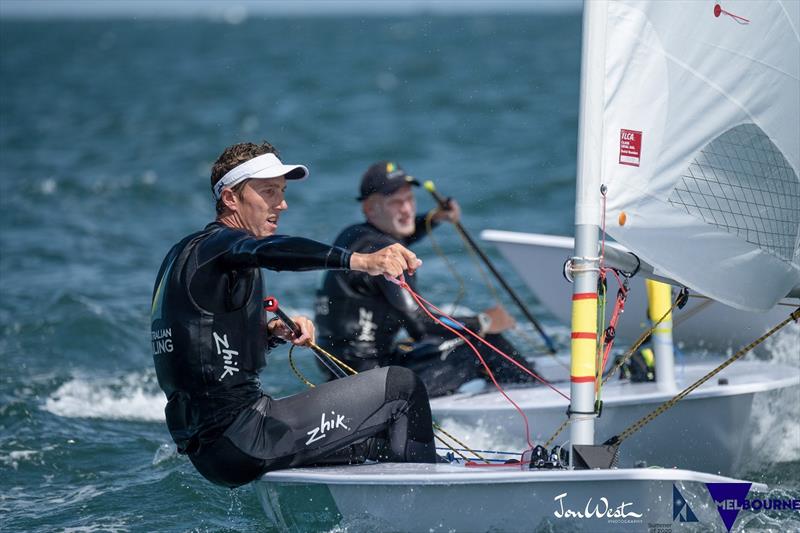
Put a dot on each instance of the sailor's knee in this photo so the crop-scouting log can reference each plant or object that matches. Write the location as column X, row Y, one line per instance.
column 403, row 384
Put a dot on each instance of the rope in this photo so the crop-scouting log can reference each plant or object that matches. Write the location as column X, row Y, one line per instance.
column 319, row 350
column 619, row 303
column 489, row 372
column 621, row 362
column 420, row 300
column 339, row 362
column 683, row 317
column 619, row 308
column 498, row 452
column 486, row 280
column 602, row 290
column 643, row 337
column 636, row 426
column 438, row 250
column 564, row 424
column 297, row 372
column 439, row 428
column 447, row 444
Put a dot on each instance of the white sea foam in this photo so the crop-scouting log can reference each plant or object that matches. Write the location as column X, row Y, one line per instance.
column 112, row 526
column 777, row 413
column 13, row 459
column 130, row 397
column 48, row 186
column 79, row 495
column 783, row 346
column 165, row 452
column 149, row 177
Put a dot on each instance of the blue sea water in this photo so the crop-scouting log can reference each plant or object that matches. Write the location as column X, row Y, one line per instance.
column 107, row 132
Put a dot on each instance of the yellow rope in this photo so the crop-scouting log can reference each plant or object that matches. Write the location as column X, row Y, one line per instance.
column 439, row 428
column 666, row 405
column 564, row 424
column 322, row 351
column 339, row 362
column 621, row 362
column 440, row 439
column 297, row 372
column 643, row 337
column 438, row 250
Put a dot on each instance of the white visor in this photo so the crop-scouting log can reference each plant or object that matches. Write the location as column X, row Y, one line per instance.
column 263, row 166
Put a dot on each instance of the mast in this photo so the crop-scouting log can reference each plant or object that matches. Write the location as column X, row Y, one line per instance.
column 587, row 221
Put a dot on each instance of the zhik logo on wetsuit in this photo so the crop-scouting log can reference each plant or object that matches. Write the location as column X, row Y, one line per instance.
column 368, row 327
column 320, row 432
column 223, row 349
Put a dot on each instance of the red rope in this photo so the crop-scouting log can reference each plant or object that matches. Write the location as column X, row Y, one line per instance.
column 622, row 293
column 619, row 308
column 424, row 304
column 419, row 299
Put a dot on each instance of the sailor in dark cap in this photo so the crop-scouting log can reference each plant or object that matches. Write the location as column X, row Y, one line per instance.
column 359, row 317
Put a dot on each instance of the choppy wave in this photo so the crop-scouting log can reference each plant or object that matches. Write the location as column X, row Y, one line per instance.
column 782, row 347
column 14, row 458
column 112, row 526
column 130, row 397
column 165, row 452
column 777, row 438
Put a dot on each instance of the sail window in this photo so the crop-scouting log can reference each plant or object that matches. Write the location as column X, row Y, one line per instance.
column 742, row 183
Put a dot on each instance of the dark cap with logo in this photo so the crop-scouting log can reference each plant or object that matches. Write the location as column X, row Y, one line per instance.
column 384, row 177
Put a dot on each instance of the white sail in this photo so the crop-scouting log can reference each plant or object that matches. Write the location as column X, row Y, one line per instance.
column 699, row 142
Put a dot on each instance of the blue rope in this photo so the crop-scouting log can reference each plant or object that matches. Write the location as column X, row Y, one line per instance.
column 479, row 451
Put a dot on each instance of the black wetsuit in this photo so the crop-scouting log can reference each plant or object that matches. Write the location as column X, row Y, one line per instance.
column 358, row 318
column 209, row 340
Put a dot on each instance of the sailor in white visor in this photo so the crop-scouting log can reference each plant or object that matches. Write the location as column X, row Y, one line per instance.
column 257, row 207
column 210, row 336
column 263, row 166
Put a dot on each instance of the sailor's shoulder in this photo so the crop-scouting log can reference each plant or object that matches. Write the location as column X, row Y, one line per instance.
column 363, row 237
column 221, row 236
column 218, row 230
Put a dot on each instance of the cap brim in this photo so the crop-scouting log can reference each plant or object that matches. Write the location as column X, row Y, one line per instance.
column 392, row 187
column 290, row 172
column 396, row 185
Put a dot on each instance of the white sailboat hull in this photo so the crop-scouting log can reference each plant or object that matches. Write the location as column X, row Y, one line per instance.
column 538, row 259
column 454, row 498
column 714, row 429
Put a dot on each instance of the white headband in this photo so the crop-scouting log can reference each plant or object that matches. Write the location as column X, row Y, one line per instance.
column 263, row 166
